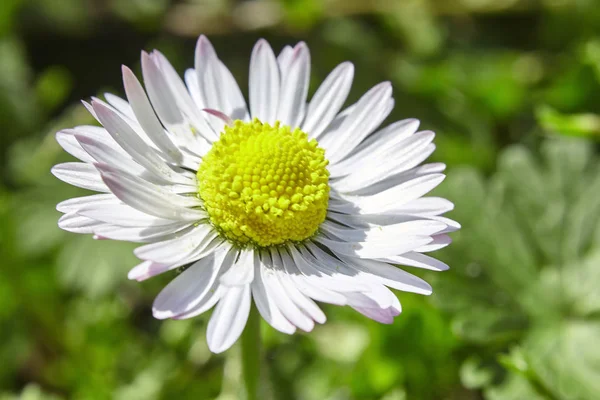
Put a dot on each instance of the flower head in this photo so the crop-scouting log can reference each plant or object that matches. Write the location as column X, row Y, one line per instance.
column 285, row 203
column 264, row 185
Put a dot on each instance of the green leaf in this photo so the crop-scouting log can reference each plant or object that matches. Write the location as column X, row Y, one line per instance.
column 94, row 266
column 514, row 387
column 342, row 342
column 566, row 359
column 474, row 375
column 19, row 112
column 526, row 269
column 489, row 325
column 31, row 392
column 584, row 125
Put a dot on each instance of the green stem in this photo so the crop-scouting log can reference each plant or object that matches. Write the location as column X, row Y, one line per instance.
column 251, row 355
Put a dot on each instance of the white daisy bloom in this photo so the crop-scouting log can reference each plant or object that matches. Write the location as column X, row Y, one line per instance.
column 286, row 201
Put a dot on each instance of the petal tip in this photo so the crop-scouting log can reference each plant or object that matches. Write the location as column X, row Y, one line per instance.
column 348, row 65
column 261, row 42
column 204, row 46
column 160, row 314
column 125, row 70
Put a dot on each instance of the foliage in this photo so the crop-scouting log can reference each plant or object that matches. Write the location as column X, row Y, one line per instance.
column 526, row 264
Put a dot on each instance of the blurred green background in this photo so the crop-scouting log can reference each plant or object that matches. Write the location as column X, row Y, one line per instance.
column 510, row 86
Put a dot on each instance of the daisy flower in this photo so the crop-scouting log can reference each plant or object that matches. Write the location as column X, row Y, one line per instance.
column 281, row 200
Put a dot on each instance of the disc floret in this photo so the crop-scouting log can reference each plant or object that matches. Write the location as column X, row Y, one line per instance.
column 264, row 184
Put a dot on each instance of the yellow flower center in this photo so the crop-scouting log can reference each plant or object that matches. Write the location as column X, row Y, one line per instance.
column 264, row 185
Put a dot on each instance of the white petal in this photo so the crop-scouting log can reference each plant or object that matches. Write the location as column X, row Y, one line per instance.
column 370, row 111
column 191, row 81
column 167, row 106
column 90, row 109
column 418, row 260
column 392, row 199
column 375, row 145
column 218, row 114
column 229, row 318
column 378, row 234
column 373, row 288
column 398, row 179
column 76, row 203
column 236, row 101
column 135, row 146
column 265, row 303
column 116, row 213
column 175, row 195
column 140, row 234
column 184, row 100
column 217, row 88
column 284, row 59
column 390, row 276
column 145, row 116
column 212, row 297
column 182, row 96
column 382, row 315
column 310, row 287
column 396, row 150
column 66, row 140
column 161, row 96
column 275, row 290
column 303, row 302
column 300, row 300
column 148, row 269
column 321, row 273
column 408, row 154
column 294, row 88
column 216, row 85
column 438, row 242
column 336, row 124
column 189, row 288
column 368, row 221
column 102, row 137
column 264, row 83
column 132, row 122
column 105, row 154
column 99, row 134
column 427, row 206
column 376, row 314
column 175, row 249
column 81, row 175
column 149, row 198
column 379, row 297
column 77, row 224
column 120, row 104
column 94, row 130
column 328, row 99
column 207, row 73
column 122, row 163
column 144, row 270
column 452, row 226
column 377, row 249
column 242, row 271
